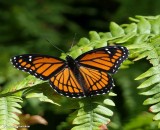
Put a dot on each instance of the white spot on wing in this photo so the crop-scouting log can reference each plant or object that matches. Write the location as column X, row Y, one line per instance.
column 109, row 52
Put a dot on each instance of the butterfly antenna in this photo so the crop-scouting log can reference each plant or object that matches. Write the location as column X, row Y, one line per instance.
column 73, row 40
column 55, row 46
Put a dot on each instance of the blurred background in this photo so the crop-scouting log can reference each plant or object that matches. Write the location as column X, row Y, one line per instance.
column 25, row 27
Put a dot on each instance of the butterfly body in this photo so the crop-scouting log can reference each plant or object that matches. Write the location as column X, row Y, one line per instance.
column 85, row 76
column 74, row 66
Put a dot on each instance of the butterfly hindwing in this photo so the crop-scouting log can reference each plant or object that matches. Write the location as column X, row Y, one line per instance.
column 97, row 81
column 41, row 66
column 65, row 83
column 107, row 59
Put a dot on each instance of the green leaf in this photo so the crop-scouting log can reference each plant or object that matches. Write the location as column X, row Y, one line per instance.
column 144, row 26
column 150, row 81
column 125, row 38
column 41, row 97
column 83, row 41
column 131, row 28
column 94, row 36
column 109, row 102
column 45, row 94
column 155, row 108
column 152, row 71
column 116, row 30
column 155, row 26
column 157, row 116
column 103, row 110
column 154, row 90
column 153, row 100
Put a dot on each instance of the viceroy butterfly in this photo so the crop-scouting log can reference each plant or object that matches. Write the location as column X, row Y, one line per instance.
column 85, row 76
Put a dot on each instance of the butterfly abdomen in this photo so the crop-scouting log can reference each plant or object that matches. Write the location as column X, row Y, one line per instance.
column 74, row 66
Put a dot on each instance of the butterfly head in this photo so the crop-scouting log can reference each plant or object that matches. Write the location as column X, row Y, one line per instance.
column 70, row 61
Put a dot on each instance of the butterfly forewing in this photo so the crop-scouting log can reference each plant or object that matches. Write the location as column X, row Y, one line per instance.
column 107, row 59
column 40, row 66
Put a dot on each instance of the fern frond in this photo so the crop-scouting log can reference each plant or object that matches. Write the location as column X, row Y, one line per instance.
column 20, row 86
column 93, row 115
column 9, row 107
column 44, row 94
column 148, row 46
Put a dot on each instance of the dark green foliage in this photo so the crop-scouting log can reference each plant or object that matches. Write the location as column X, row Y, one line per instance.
column 25, row 26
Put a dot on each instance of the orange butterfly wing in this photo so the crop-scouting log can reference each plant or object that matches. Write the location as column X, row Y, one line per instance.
column 65, row 83
column 107, row 59
column 40, row 66
column 97, row 81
